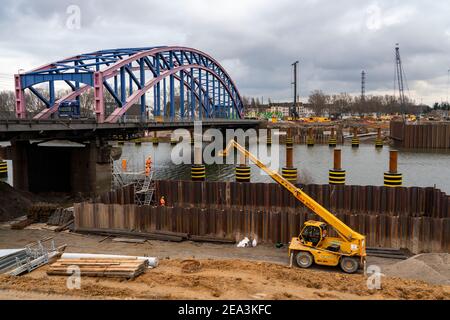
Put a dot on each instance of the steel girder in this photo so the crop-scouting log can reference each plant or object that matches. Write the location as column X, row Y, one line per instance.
column 205, row 90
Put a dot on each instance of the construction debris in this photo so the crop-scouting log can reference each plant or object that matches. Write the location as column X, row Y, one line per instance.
column 387, row 253
column 41, row 211
column 129, row 240
column 152, row 261
column 95, row 267
column 19, row 225
column 145, row 235
column 18, row 261
column 210, row 239
column 61, row 216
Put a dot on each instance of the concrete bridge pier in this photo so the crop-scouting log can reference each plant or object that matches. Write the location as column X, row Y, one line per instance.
column 76, row 168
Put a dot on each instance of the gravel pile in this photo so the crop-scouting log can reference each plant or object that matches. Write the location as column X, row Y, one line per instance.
column 429, row 267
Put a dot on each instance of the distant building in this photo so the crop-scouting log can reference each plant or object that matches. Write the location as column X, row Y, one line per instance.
column 284, row 108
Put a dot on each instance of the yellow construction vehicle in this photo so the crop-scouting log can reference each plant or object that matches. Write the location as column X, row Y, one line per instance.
column 314, row 245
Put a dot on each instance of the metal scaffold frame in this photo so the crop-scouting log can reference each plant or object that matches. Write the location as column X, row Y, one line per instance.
column 144, row 186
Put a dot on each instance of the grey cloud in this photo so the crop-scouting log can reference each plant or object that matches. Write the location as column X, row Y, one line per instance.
column 334, row 40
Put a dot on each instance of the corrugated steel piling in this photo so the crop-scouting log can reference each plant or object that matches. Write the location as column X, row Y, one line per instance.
column 414, row 218
column 393, row 178
column 336, row 175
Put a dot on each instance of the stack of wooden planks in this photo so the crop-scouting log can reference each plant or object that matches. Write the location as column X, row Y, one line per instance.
column 95, row 267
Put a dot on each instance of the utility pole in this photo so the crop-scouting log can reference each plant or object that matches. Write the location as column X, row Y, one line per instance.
column 293, row 112
column 363, row 86
column 448, row 82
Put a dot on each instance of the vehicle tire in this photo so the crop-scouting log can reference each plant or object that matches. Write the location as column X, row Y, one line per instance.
column 304, row 259
column 349, row 264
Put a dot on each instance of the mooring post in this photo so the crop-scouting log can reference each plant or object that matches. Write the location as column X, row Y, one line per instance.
column 336, row 175
column 393, row 178
column 310, row 138
column 355, row 139
column 155, row 138
column 269, row 137
column 198, row 169
column 243, row 171
column 289, row 172
column 379, row 139
column 3, row 169
column 333, row 141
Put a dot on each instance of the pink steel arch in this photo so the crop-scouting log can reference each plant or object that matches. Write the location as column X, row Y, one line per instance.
column 111, row 70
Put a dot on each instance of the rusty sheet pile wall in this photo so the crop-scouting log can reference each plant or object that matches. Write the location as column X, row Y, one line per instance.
column 426, row 136
column 413, row 218
column 320, row 136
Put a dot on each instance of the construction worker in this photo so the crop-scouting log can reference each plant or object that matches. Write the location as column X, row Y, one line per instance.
column 162, row 202
column 148, row 166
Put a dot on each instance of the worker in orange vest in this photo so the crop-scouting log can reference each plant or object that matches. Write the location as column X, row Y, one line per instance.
column 148, row 165
column 162, row 202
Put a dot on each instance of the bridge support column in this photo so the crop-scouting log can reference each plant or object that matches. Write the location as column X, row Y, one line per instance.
column 333, row 141
column 355, row 139
column 198, row 169
column 289, row 172
column 336, row 175
column 379, row 140
column 85, row 170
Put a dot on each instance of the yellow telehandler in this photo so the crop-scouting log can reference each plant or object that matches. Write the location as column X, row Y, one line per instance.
column 313, row 244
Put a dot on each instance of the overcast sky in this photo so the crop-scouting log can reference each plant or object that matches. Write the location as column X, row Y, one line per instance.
column 255, row 40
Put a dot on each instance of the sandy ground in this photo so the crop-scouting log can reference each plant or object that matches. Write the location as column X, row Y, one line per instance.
column 221, row 272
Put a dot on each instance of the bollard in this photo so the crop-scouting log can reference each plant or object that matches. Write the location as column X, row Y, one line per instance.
column 379, row 140
column 124, row 165
column 310, row 138
column 155, row 138
column 192, row 137
column 198, row 169
column 269, row 137
column 393, row 178
column 289, row 172
column 336, row 175
column 243, row 171
column 3, row 169
column 333, row 141
column 355, row 139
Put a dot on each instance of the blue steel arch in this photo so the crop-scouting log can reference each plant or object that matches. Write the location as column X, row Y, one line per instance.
column 204, row 87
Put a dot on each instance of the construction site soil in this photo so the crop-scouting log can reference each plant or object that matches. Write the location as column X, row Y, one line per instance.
column 190, row 270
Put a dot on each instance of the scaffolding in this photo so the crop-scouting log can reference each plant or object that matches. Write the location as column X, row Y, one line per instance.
column 144, row 186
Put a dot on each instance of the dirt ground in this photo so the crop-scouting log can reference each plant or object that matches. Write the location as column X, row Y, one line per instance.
column 212, row 271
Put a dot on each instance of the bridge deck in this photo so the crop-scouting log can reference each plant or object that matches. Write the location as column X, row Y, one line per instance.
column 30, row 129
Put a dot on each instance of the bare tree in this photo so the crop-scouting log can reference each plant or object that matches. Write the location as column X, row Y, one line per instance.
column 319, row 102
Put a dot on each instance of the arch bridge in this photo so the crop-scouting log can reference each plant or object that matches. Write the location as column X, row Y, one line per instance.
column 169, row 81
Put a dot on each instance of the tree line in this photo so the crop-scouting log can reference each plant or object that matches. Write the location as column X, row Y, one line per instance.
column 343, row 103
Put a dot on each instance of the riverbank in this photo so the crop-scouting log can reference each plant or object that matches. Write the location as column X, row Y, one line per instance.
column 222, row 272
